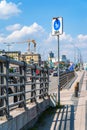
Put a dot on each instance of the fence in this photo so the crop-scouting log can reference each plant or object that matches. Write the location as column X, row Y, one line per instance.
column 65, row 78
column 24, row 85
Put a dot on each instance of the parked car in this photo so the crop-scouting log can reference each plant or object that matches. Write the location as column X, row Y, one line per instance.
column 55, row 73
column 67, row 70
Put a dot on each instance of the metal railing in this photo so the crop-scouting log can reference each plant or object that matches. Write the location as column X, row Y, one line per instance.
column 18, row 88
column 65, row 78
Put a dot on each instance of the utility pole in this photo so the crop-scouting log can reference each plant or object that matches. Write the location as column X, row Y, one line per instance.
column 8, row 45
column 78, row 56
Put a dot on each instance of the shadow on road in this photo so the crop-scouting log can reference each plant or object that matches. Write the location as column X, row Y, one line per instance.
column 64, row 119
column 58, row 119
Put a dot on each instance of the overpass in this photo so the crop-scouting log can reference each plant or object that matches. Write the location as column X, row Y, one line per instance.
column 23, row 94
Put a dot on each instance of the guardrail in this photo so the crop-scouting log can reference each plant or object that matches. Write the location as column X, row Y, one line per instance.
column 19, row 88
column 65, row 78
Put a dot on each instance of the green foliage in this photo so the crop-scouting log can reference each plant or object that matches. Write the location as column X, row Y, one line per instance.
column 46, row 64
column 11, row 70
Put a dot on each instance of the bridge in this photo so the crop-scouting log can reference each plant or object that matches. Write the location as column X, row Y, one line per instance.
column 24, row 95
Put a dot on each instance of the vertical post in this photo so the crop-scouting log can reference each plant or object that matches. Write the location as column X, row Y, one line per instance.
column 41, row 84
column 47, row 81
column 6, row 72
column 58, row 73
column 32, row 80
column 21, row 87
column 22, row 70
column 44, row 83
column 57, row 29
column 1, row 89
column 33, row 84
column 24, row 73
column 74, row 56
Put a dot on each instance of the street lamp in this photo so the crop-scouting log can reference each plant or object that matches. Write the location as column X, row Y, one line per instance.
column 79, row 57
column 74, row 52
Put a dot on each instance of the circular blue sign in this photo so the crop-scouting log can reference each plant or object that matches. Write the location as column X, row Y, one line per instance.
column 56, row 24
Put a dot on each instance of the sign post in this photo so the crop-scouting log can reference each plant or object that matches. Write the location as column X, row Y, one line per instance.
column 57, row 29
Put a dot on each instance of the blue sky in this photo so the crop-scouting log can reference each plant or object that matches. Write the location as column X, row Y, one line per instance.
column 32, row 19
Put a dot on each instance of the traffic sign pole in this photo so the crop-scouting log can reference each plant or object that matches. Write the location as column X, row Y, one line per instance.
column 58, row 73
column 57, row 29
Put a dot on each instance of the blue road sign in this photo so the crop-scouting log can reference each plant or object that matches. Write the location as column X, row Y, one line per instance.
column 57, row 24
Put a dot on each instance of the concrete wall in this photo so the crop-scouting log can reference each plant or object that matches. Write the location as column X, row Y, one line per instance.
column 24, row 119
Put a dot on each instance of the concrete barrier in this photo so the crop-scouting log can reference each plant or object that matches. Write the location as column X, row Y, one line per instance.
column 53, row 100
column 22, row 119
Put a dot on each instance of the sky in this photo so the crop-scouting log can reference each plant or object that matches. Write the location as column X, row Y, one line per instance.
column 22, row 20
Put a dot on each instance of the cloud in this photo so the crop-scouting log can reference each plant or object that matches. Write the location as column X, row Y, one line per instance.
column 82, row 37
column 13, row 27
column 81, row 41
column 22, row 33
column 26, row 32
column 69, row 46
column 51, row 43
column 1, row 39
column 66, row 37
column 45, row 41
column 8, row 9
column 50, row 39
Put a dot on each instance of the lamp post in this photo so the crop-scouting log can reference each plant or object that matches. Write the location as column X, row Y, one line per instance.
column 74, row 52
column 79, row 57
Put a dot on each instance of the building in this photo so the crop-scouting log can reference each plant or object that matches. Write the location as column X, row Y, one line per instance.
column 63, row 58
column 27, row 57
column 31, row 57
column 50, row 59
column 51, row 54
column 12, row 54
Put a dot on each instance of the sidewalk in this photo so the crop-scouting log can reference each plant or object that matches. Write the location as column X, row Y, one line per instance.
column 81, row 114
column 73, row 115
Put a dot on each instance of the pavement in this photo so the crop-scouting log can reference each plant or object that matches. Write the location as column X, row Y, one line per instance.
column 73, row 116
column 77, row 104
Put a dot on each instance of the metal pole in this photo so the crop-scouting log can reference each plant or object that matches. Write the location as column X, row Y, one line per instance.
column 58, row 73
column 74, row 55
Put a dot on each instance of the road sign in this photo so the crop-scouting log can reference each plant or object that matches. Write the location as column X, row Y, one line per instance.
column 57, row 26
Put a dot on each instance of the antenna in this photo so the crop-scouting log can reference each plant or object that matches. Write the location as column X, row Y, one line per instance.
column 8, row 45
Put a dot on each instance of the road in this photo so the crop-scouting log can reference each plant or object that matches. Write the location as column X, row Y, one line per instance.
column 53, row 84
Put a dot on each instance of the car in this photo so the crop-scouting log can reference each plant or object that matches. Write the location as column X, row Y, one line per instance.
column 55, row 73
column 67, row 70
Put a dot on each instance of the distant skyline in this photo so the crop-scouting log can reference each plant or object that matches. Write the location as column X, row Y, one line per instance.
column 32, row 19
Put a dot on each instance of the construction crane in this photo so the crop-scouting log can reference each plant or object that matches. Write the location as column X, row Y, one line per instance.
column 29, row 41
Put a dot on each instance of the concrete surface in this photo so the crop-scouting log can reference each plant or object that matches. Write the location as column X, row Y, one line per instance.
column 73, row 116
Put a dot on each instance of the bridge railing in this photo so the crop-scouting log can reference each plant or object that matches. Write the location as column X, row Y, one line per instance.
column 20, row 87
column 65, row 78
